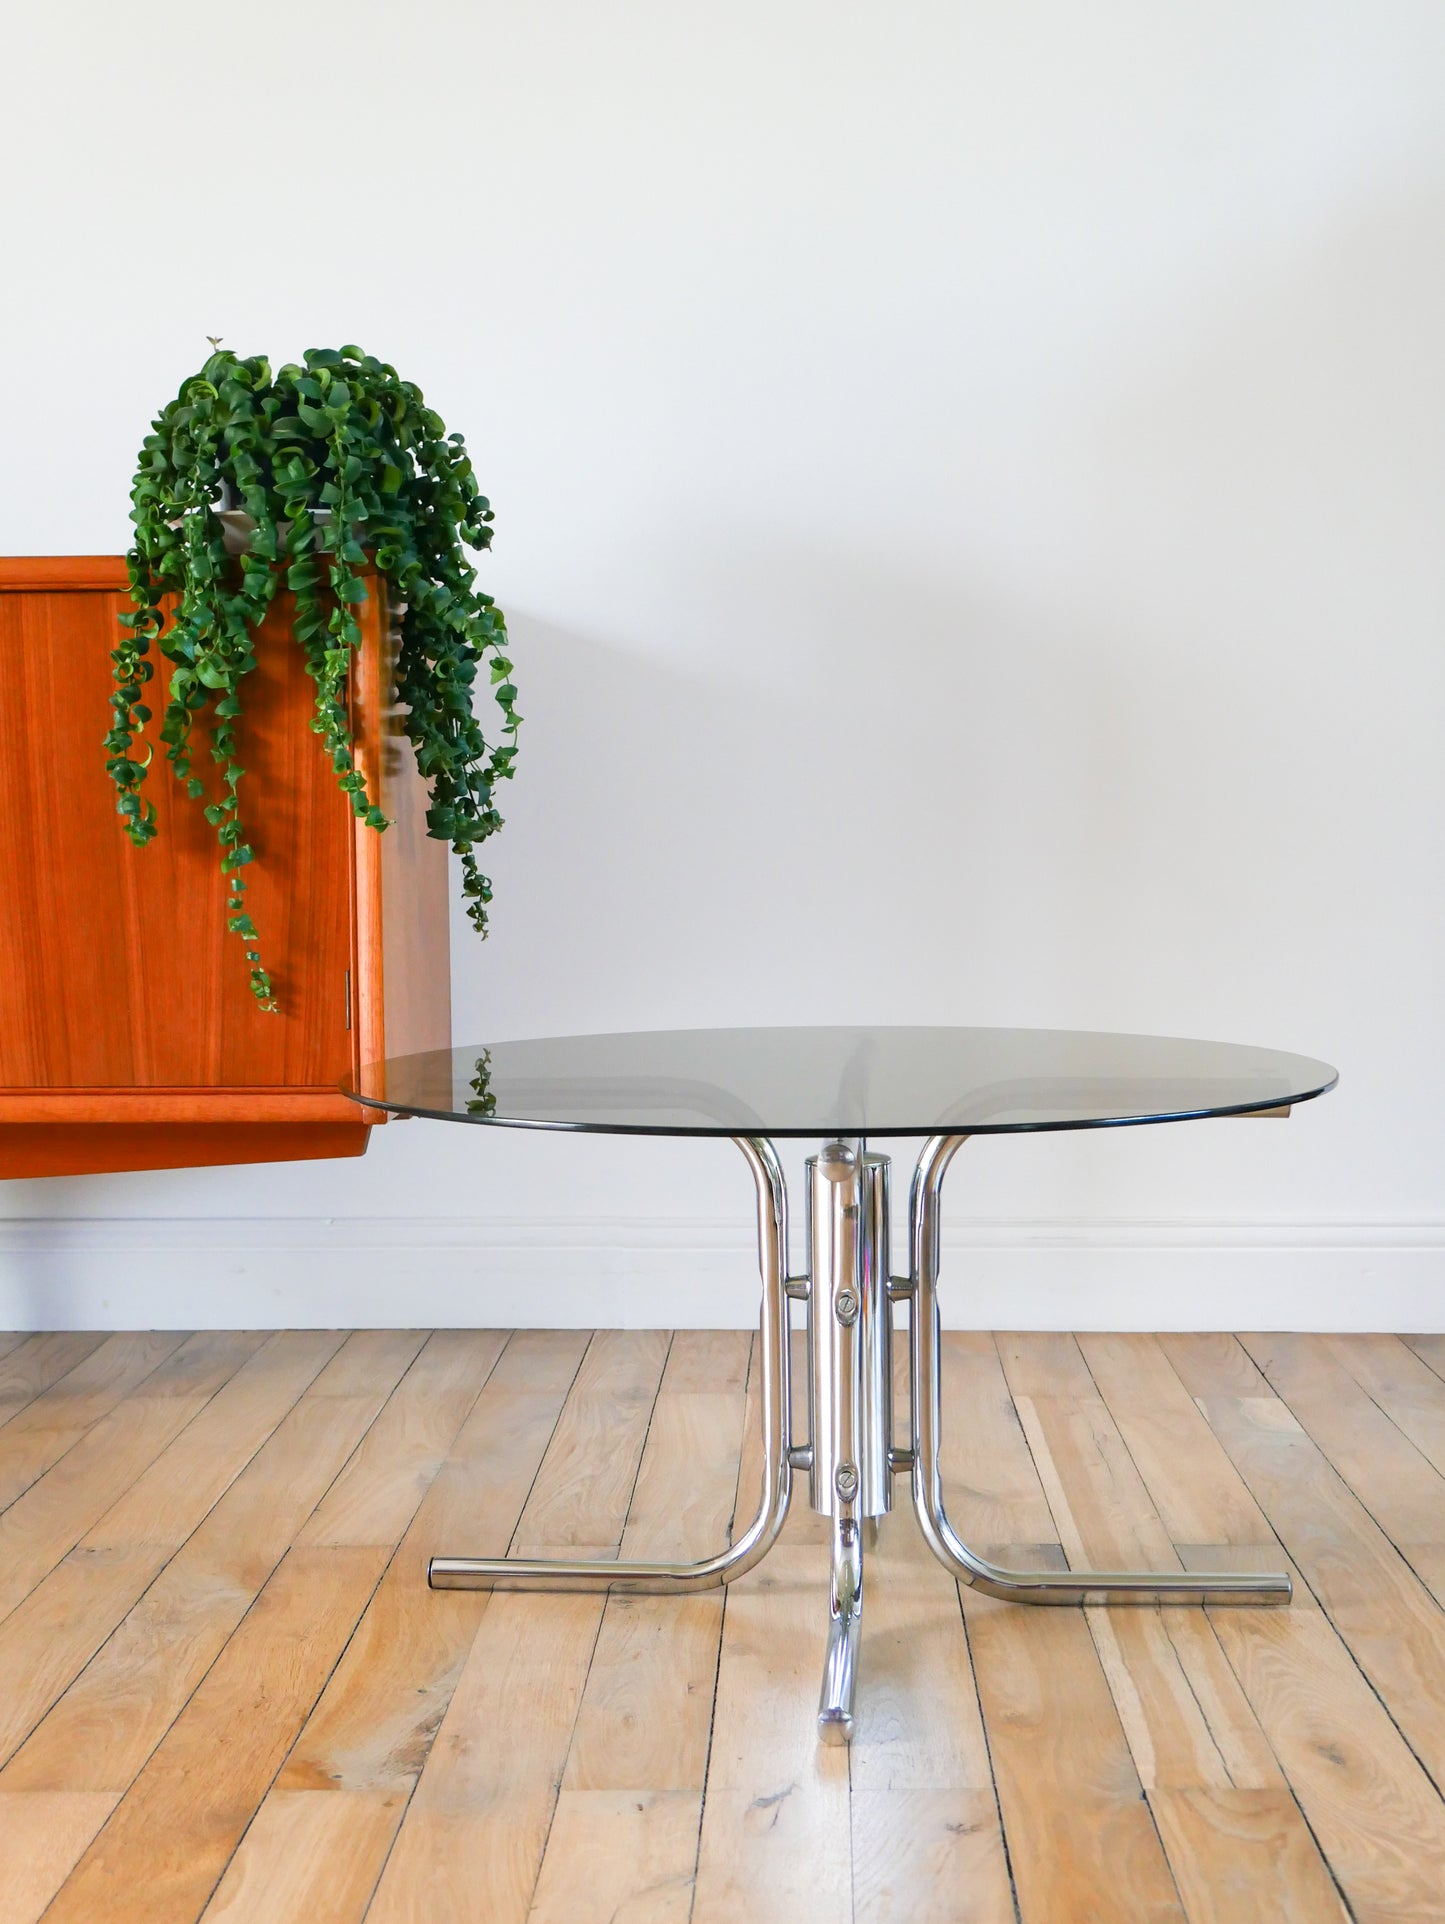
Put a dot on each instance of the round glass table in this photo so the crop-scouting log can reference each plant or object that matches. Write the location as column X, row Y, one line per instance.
column 845, row 1086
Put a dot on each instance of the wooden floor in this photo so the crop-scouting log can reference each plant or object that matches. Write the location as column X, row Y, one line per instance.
column 225, row 1691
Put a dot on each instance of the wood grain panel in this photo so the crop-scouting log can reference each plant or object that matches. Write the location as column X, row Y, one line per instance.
column 43, row 574
column 403, row 879
column 125, row 1001
column 96, row 1148
column 120, row 971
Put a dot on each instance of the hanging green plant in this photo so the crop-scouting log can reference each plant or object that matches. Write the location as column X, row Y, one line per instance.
column 318, row 468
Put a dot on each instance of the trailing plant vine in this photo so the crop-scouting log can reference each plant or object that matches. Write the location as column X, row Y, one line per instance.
column 320, row 467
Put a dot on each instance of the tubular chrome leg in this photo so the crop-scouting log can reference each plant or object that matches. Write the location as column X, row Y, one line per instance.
column 1017, row 1586
column 845, row 1619
column 848, row 1325
column 528, row 1573
column 848, row 1331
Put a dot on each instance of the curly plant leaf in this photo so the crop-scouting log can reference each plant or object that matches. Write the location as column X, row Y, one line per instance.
column 333, row 460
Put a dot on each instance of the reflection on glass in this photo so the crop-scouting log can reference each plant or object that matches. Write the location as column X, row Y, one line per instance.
column 482, row 1102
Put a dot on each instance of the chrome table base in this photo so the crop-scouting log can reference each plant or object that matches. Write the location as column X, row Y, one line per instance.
column 849, row 1452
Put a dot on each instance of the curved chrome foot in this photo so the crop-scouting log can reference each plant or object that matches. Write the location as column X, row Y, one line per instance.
column 1019, row 1586
column 528, row 1573
column 1092, row 1586
column 845, row 1621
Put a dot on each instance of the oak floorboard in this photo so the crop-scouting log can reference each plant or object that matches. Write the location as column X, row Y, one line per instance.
column 1198, row 1493
column 47, row 1640
column 307, row 1858
column 783, row 1855
column 1394, row 1627
column 776, row 1833
column 619, row 1857
column 646, row 1713
column 474, row 1832
column 473, row 1835
column 1082, row 1843
column 579, row 1503
column 1245, row 1857
column 30, row 1365
column 57, row 1510
column 1400, row 1487
column 1213, row 1364
column 376, row 1495
column 1376, row 1816
column 159, row 1857
column 208, row 1710
column 918, row 1726
column 638, row 1758
column 42, row 1430
column 713, row 1362
column 990, row 1482
column 1403, row 1384
column 775, row 1837
column 1189, row 1724
column 1044, row 1363
column 366, row 1740
column 374, row 1724
column 171, row 1495
column 101, row 1731
column 1187, row 1721
column 1430, row 1350
column 1427, row 1560
column 42, row 1834
column 928, row 1857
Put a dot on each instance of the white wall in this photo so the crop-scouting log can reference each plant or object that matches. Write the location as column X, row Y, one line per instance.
column 1017, row 431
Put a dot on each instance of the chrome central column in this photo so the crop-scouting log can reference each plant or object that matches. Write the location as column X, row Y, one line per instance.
column 850, row 1383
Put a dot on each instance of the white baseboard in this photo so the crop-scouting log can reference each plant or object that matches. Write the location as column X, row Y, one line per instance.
column 309, row 1272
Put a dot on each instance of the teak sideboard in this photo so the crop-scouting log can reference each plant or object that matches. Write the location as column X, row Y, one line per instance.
column 129, row 1038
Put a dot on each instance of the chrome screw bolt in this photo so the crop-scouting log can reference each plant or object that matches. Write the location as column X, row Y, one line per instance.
column 845, row 1481
column 847, row 1308
column 836, row 1161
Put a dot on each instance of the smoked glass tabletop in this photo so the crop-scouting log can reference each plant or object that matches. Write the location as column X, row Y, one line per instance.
column 840, row 1082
